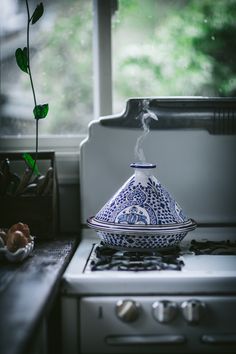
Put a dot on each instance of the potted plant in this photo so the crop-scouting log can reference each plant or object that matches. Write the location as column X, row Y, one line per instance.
column 30, row 197
column 40, row 111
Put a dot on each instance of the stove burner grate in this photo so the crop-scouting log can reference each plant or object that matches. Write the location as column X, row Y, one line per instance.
column 106, row 258
column 213, row 247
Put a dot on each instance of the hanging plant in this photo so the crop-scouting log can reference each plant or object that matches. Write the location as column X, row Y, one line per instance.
column 26, row 203
column 40, row 111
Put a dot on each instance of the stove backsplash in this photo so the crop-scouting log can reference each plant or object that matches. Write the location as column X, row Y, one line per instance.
column 193, row 143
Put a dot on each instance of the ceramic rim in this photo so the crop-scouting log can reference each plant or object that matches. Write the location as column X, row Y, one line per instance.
column 142, row 165
column 189, row 225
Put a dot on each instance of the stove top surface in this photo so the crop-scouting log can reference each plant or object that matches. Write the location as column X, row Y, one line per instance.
column 198, row 265
column 105, row 258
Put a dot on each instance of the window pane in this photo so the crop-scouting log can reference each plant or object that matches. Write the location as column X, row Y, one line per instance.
column 174, row 48
column 61, row 65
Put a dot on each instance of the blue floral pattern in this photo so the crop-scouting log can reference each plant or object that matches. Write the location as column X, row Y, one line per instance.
column 132, row 216
column 141, row 242
column 142, row 202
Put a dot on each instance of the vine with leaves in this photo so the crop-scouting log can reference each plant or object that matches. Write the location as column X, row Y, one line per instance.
column 22, row 56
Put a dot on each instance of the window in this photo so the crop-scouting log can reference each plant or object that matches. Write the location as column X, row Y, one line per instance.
column 61, row 65
column 159, row 48
column 174, row 48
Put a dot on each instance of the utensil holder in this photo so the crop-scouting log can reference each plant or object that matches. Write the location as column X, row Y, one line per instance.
column 40, row 212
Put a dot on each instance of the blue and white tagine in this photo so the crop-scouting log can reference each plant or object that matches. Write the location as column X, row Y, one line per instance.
column 141, row 215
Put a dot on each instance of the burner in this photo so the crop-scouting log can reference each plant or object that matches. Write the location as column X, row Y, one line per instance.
column 136, row 266
column 213, row 247
column 105, row 258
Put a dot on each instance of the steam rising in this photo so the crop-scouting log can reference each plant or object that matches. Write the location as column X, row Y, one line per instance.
column 145, row 116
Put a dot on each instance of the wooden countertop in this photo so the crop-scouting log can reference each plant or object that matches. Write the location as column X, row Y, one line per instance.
column 27, row 291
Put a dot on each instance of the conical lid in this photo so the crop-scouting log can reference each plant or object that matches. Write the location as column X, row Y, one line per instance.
column 142, row 201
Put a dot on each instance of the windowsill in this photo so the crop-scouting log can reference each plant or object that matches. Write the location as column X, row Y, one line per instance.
column 58, row 143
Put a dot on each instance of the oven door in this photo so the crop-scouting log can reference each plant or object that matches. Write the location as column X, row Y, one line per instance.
column 157, row 324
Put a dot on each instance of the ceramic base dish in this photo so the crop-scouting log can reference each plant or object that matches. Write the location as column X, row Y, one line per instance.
column 139, row 237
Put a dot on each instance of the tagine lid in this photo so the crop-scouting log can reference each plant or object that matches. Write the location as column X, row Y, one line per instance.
column 142, row 202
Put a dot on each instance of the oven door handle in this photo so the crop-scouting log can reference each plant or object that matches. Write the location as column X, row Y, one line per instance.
column 145, row 339
column 219, row 338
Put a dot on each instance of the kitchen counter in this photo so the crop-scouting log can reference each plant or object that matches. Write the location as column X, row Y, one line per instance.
column 29, row 296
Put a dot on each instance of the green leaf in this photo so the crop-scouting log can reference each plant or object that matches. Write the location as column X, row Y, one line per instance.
column 31, row 163
column 22, row 59
column 41, row 111
column 38, row 12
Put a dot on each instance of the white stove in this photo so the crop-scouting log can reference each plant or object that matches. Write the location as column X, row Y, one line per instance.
column 204, row 274
column 175, row 301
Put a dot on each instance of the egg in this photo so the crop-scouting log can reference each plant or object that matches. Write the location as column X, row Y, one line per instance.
column 24, row 228
column 15, row 240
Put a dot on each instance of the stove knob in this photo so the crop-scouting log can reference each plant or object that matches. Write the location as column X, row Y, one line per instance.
column 164, row 311
column 127, row 310
column 192, row 310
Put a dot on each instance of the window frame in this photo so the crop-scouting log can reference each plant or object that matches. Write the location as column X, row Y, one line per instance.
column 102, row 93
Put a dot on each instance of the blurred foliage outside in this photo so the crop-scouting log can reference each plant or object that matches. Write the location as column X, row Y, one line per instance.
column 160, row 48
column 175, row 48
column 66, row 62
